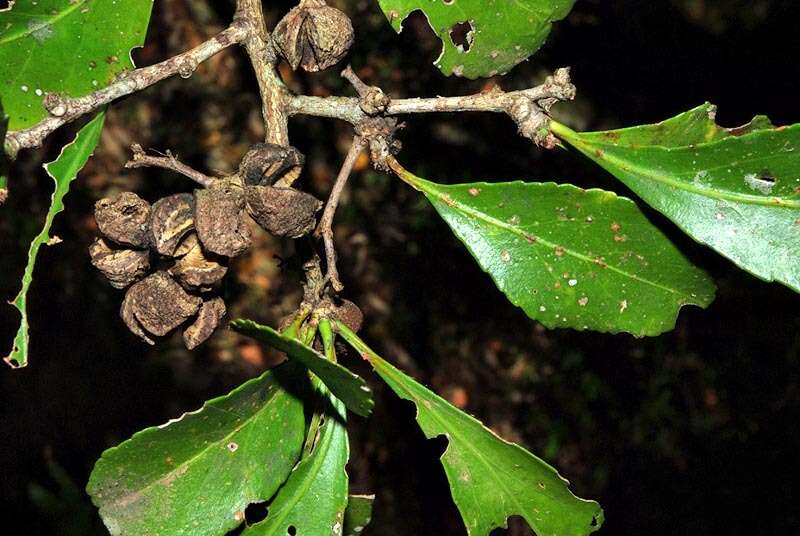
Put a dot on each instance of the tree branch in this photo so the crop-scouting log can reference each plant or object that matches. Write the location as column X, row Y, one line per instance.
column 66, row 109
column 325, row 227
column 274, row 94
column 140, row 159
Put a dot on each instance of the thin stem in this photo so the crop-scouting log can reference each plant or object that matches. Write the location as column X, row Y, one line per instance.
column 325, row 227
column 140, row 159
column 66, row 109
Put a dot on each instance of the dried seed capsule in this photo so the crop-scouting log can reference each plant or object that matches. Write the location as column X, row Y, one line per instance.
column 157, row 305
column 282, row 211
column 124, row 219
column 313, row 36
column 349, row 314
column 219, row 217
column 171, row 219
column 120, row 266
column 196, row 269
column 211, row 312
column 265, row 163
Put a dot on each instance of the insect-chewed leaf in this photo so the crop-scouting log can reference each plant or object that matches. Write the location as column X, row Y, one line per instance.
column 71, row 47
column 197, row 474
column 585, row 259
column 735, row 190
column 490, row 479
column 346, row 386
column 63, row 171
column 314, row 499
column 358, row 514
column 483, row 37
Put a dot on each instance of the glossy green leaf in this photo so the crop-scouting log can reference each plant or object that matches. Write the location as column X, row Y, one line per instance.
column 197, row 474
column 314, row 499
column 72, row 47
column 358, row 514
column 735, row 190
column 346, row 386
column 501, row 33
column 585, row 259
column 63, row 171
column 490, row 478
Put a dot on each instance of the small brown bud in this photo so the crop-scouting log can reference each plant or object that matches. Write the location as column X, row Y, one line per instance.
column 219, row 217
column 124, row 219
column 120, row 266
column 195, row 269
column 266, row 163
column 282, row 211
column 211, row 312
column 171, row 219
column 313, row 36
column 349, row 314
column 157, row 305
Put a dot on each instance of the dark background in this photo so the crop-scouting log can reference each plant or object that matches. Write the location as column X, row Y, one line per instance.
column 692, row 432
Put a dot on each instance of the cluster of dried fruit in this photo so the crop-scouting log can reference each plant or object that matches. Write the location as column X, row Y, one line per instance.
column 188, row 239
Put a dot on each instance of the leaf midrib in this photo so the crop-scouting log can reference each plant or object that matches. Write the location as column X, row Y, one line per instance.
column 452, row 203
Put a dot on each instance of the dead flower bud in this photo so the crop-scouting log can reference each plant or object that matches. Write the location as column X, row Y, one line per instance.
column 349, row 314
column 266, row 163
column 124, row 219
column 211, row 312
column 196, row 270
column 157, row 305
column 313, row 36
column 120, row 266
column 219, row 217
column 171, row 219
column 282, row 211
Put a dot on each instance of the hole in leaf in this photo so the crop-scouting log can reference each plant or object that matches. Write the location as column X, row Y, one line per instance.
column 6, row 5
column 256, row 512
column 462, row 35
column 291, row 531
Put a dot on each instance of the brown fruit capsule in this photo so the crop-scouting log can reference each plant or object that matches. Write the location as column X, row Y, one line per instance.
column 157, row 305
column 266, row 163
column 219, row 217
column 171, row 219
column 350, row 315
column 313, row 36
column 196, row 269
column 120, row 266
column 282, row 211
column 124, row 219
column 211, row 312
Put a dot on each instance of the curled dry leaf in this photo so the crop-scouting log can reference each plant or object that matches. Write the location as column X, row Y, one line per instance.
column 157, row 305
column 265, row 163
column 121, row 267
column 313, row 36
column 211, row 312
column 282, row 211
column 219, row 217
column 170, row 220
column 196, row 269
column 124, row 219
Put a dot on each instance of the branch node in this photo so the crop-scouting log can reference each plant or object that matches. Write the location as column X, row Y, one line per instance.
column 55, row 104
column 372, row 100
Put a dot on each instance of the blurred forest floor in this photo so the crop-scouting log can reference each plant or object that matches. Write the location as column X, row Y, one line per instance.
column 692, row 432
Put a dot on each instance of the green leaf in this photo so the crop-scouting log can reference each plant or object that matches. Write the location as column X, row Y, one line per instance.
column 63, row 171
column 735, row 190
column 585, row 259
column 358, row 514
column 501, row 33
column 346, row 386
column 197, row 474
column 490, row 478
column 72, row 47
column 314, row 499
